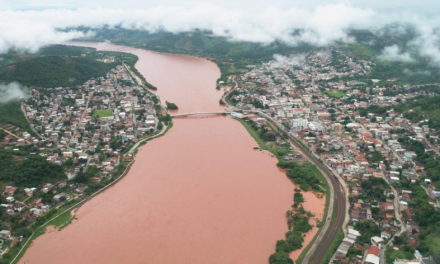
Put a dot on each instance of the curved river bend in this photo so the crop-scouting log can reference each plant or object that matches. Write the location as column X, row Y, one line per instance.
column 198, row 195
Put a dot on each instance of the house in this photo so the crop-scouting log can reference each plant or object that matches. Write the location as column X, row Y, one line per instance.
column 377, row 241
column 29, row 191
column 62, row 184
column 36, row 211
column 5, row 234
column 10, row 190
column 386, row 206
column 57, row 198
column 435, row 193
column 373, row 255
column 394, row 179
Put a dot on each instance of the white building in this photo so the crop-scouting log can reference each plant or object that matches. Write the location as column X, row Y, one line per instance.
column 299, row 123
column 316, row 126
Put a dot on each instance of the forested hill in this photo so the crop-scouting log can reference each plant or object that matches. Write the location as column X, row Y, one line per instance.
column 198, row 43
column 54, row 71
column 423, row 107
column 29, row 170
column 242, row 53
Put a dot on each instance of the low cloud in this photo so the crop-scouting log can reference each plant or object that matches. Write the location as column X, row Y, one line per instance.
column 418, row 72
column 393, row 53
column 29, row 30
column 12, row 92
column 320, row 26
column 291, row 60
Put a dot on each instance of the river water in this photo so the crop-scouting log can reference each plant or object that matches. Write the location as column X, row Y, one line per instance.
column 200, row 194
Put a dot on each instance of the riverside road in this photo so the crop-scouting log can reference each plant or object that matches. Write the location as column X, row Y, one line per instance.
column 337, row 203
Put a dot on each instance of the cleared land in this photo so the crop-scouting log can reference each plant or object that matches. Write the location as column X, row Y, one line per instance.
column 103, row 113
column 336, row 94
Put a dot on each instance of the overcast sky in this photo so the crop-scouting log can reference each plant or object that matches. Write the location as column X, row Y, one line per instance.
column 30, row 24
column 428, row 7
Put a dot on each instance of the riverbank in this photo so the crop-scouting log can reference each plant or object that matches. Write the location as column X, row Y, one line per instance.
column 183, row 204
column 190, row 193
column 65, row 217
column 311, row 202
column 185, row 80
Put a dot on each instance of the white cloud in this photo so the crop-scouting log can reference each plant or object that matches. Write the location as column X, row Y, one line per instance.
column 294, row 59
column 321, row 26
column 393, row 53
column 318, row 23
column 12, row 92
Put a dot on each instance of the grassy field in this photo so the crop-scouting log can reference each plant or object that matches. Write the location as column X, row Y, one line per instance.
column 392, row 254
column 64, row 219
column 336, row 94
column 10, row 113
column 277, row 152
column 103, row 113
column 250, row 86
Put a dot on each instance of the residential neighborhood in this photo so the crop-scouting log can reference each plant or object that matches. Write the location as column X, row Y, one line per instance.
column 89, row 130
column 376, row 155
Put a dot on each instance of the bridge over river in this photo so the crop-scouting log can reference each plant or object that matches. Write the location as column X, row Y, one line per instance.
column 199, row 113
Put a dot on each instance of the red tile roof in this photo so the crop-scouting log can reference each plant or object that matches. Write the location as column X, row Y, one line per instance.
column 374, row 250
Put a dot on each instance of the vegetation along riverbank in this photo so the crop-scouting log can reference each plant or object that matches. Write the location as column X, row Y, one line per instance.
column 303, row 174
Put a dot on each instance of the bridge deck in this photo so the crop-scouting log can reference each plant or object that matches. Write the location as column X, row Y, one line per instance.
column 199, row 113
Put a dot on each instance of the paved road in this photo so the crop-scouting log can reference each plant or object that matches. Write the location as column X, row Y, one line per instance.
column 337, row 206
column 164, row 128
column 397, row 210
column 382, row 255
column 23, row 109
column 12, row 134
column 321, row 245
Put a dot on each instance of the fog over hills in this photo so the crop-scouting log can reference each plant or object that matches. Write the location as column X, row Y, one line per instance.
column 28, row 25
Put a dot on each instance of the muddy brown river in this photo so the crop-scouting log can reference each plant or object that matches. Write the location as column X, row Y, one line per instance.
column 200, row 194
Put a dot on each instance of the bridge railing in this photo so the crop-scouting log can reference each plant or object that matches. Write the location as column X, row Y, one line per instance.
column 198, row 113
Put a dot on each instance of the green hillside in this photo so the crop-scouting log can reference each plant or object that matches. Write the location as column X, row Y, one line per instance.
column 197, row 43
column 31, row 171
column 231, row 56
column 53, row 71
column 64, row 50
column 423, row 107
column 10, row 113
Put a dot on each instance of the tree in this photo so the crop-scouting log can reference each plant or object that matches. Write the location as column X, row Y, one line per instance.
column 171, row 106
column 160, row 126
column 81, row 177
column 283, row 246
column 295, row 239
column 280, row 258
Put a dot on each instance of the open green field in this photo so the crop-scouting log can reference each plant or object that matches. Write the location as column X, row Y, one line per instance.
column 102, row 113
column 10, row 113
column 261, row 143
column 392, row 254
column 336, row 94
column 249, row 86
column 60, row 219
